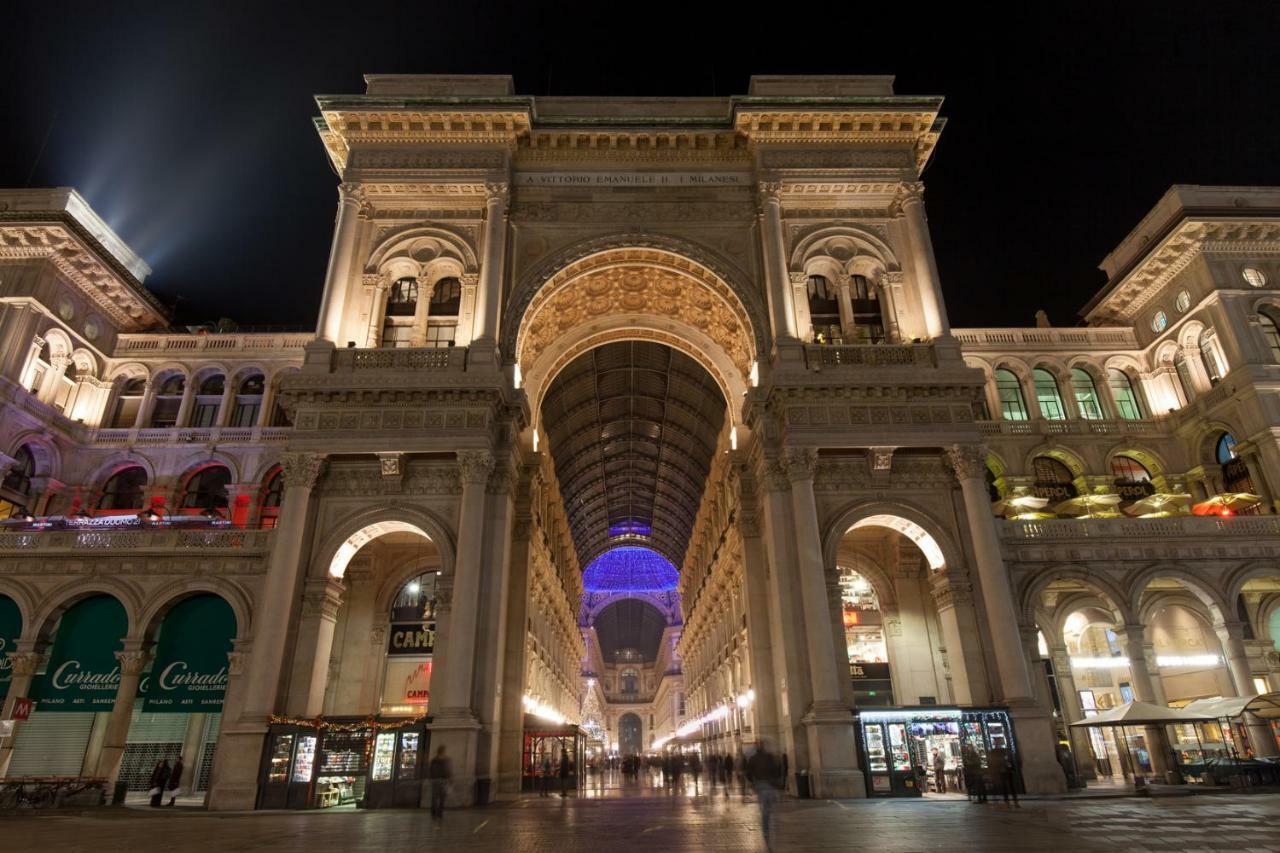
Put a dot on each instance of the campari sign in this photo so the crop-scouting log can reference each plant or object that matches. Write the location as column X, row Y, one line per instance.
column 82, row 673
column 190, row 672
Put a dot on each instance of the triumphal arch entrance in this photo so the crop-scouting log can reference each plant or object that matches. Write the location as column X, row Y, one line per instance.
column 630, row 427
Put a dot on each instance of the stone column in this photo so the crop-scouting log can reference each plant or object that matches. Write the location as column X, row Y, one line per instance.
column 845, row 298
column 228, row 402
column 235, row 779
column 188, row 401
column 756, row 602
column 911, row 202
column 1036, row 738
column 1134, row 644
column 25, row 665
column 1081, row 746
column 144, row 406
column 192, row 751
column 953, row 596
column 321, row 603
column 1231, row 634
column 889, row 296
column 379, row 288
column 516, row 652
column 833, row 764
column 333, row 302
column 455, row 724
column 421, row 310
column 782, row 309
column 489, row 294
column 133, row 660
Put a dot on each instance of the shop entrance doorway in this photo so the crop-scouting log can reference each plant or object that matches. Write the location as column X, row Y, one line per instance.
column 920, row 752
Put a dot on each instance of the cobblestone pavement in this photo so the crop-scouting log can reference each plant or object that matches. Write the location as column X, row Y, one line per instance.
column 702, row 824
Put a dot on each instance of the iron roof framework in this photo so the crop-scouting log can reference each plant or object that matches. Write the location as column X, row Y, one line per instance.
column 632, row 427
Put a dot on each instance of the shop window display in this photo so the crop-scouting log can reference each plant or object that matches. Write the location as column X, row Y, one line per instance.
column 864, row 640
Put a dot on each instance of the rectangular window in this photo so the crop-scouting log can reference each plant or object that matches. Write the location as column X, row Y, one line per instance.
column 441, row 335
column 395, row 336
column 165, row 413
column 245, row 413
column 204, row 415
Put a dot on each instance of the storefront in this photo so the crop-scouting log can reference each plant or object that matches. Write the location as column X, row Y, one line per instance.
column 367, row 763
column 868, row 654
column 897, row 747
column 547, row 749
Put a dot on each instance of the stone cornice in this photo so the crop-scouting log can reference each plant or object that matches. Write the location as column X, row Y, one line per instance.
column 59, row 240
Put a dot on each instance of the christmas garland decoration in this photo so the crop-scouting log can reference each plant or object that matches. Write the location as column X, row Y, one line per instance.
column 370, row 722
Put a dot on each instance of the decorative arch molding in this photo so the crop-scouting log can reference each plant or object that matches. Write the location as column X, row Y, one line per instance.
column 204, row 370
column 1189, row 334
column 1126, row 364
column 59, row 342
column 594, row 603
column 1090, row 600
column 23, row 595
column 1139, row 582
column 847, row 245
column 1237, row 578
column 168, row 368
column 86, row 363
column 1150, row 460
column 47, row 456
column 857, row 562
column 680, row 337
column 62, row 598
column 1183, row 598
column 129, row 370
column 1070, row 458
column 1206, row 441
column 1104, row 588
column 900, row 516
column 420, row 246
column 190, row 466
column 682, row 256
column 397, row 578
column 161, row 601
column 105, row 470
column 352, row 532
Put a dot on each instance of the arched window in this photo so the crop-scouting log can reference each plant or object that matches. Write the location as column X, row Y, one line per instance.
column 248, row 402
column 128, row 401
column 124, row 489
column 1225, row 448
column 269, row 505
column 411, row 642
column 867, row 652
column 18, row 481
column 1210, row 357
column 1270, row 333
column 1054, row 480
column 1126, row 469
column 442, row 317
column 208, row 401
column 168, row 401
column 630, row 681
column 1047, row 396
column 1086, row 394
column 1127, row 404
column 868, row 322
column 1013, row 406
column 1186, row 384
column 397, row 321
column 207, row 489
column 824, row 308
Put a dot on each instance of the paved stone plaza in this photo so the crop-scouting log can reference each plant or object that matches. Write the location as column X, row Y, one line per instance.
column 702, row 824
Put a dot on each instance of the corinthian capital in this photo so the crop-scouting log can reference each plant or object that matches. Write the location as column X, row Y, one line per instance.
column 767, row 191
column 969, row 461
column 133, row 662
column 496, row 191
column 302, row 470
column 909, row 192
column 25, row 664
column 474, row 466
column 801, row 463
column 350, row 193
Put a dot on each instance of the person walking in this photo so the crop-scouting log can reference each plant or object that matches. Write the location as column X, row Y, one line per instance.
column 726, row 772
column 1002, row 771
column 695, row 768
column 975, row 782
column 159, row 778
column 765, row 774
column 939, row 772
column 544, row 776
column 439, row 772
column 175, row 780
column 564, row 773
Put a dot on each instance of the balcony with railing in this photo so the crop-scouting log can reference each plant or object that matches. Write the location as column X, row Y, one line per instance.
column 1081, row 339
column 140, row 540
column 820, row 356
column 167, row 436
column 1017, row 532
column 1077, row 426
column 178, row 344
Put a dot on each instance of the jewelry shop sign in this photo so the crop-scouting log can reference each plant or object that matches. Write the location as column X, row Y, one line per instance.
column 633, row 179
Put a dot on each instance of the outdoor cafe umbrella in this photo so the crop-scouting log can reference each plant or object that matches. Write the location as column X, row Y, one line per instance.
column 1167, row 503
column 1141, row 714
column 1226, row 504
column 1093, row 505
column 1019, row 504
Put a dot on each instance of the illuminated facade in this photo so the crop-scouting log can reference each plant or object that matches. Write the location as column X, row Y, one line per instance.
column 553, row 328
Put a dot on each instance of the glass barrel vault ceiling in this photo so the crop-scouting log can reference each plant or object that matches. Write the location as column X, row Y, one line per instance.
column 632, row 427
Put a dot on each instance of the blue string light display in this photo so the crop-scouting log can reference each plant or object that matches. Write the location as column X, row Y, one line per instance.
column 630, row 569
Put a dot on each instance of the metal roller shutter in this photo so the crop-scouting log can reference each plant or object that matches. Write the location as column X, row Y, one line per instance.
column 51, row 744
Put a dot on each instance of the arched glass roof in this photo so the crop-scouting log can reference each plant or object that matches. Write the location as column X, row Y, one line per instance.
column 630, row 569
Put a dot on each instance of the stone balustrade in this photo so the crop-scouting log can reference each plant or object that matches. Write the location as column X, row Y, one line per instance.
column 223, row 344
column 136, row 540
column 1078, row 426
column 820, row 356
column 1076, row 529
column 1042, row 340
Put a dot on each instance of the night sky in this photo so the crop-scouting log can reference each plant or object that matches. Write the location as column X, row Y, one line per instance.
column 187, row 126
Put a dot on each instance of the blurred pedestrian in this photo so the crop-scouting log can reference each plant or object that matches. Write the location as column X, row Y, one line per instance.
column 439, row 772
column 175, row 779
column 159, row 778
column 764, row 770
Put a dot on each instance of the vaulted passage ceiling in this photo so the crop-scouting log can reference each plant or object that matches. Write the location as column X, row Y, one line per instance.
column 629, row 624
column 632, row 427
